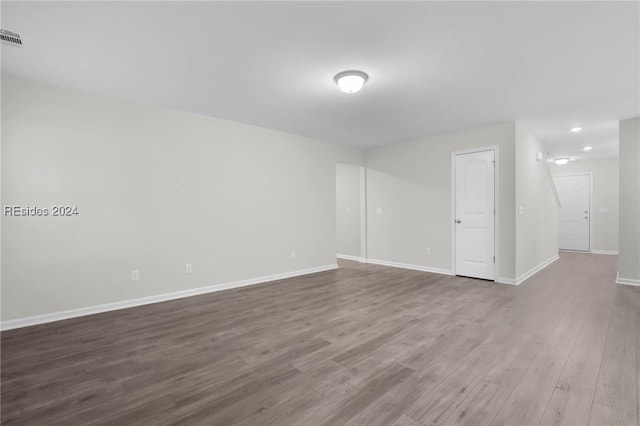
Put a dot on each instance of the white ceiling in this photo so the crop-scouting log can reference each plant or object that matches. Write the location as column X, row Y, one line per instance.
column 434, row 67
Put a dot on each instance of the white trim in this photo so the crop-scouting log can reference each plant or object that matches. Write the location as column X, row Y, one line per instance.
column 590, row 174
column 349, row 257
column 363, row 211
column 79, row 312
column 453, row 211
column 509, row 281
column 522, row 278
column 496, row 205
column 626, row 281
column 611, row 252
column 412, row 267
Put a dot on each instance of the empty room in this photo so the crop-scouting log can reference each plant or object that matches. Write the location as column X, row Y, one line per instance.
column 320, row 213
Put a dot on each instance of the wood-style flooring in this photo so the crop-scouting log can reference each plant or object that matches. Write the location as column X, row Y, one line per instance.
column 363, row 345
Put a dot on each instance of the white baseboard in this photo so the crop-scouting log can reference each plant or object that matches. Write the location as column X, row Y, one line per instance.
column 626, row 281
column 522, row 278
column 611, row 252
column 502, row 280
column 412, row 267
column 349, row 257
column 74, row 313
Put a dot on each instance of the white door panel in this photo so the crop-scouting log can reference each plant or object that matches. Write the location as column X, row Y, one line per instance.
column 475, row 214
column 575, row 216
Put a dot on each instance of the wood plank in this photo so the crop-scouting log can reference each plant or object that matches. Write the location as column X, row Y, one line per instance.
column 568, row 407
column 528, row 402
column 365, row 344
column 616, row 387
column 405, row 420
column 601, row 415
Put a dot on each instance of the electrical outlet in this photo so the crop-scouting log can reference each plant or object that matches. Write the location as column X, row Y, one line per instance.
column 293, row 254
column 135, row 275
column 188, row 269
column 379, row 210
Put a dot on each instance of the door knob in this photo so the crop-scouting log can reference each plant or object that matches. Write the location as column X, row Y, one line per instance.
column 458, row 221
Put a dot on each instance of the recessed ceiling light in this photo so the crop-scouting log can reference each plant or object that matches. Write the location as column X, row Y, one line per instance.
column 587, row 148
column 561, row 161
column 576, row 129
column 351, row 81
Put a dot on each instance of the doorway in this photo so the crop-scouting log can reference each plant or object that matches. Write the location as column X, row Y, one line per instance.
column 475, row 213
column 574, row 192
column 350, row 212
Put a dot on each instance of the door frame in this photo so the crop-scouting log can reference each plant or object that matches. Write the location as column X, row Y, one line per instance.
column 363, row 211
column 590, row 174
column 496, row 204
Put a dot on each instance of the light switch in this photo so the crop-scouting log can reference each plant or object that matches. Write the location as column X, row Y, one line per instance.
column 379, row 210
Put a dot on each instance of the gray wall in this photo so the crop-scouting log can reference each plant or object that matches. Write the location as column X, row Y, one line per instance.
column 155, row 189
column 537, row 211
column 629, row 258
column 409, row 198
column 349, row 186
column 158, row 188
column 605, row 211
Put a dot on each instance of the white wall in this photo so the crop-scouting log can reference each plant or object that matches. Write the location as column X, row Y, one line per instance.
column 605, row 199
column 411, row 183
column 349, row 211
column 155, row 189
column 537, row 211
column 629, row 258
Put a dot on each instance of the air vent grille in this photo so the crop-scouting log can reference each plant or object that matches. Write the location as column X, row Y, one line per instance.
column 11, row 38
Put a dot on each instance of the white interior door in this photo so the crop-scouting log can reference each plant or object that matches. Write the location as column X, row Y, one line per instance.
column 475, row 214
column 574, row 193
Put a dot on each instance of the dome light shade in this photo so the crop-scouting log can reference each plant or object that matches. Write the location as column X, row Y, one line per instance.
column 351, row 81
column 561, row 161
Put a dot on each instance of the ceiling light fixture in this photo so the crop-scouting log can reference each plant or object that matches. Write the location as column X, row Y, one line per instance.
column 576, row 129
column 351, row 81
column 587, row 148
column 10, row 38
column 561, row 161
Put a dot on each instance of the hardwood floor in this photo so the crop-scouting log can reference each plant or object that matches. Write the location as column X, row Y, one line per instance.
column 363, row 345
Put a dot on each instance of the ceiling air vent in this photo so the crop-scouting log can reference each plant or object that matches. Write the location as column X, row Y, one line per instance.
column 10, row 38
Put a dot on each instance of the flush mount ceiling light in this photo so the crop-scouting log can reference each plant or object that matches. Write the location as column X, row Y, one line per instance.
column 561, row 161
column 587, row 148
column 576, row 129
column 351, row 81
